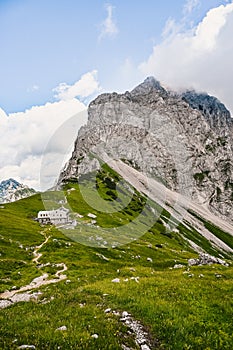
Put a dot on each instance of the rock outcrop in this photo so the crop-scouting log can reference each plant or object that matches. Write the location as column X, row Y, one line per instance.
column 206, row 259
column 184, row 140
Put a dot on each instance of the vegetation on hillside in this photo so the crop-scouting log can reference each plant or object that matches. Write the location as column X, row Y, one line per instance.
column 184, row 308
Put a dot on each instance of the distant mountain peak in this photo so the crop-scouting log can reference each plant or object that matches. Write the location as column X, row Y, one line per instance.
column 11, row 190
column 10, row 182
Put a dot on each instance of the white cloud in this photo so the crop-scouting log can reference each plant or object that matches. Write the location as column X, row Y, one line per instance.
column 86, row 86
column 189, row 6
column 108, row 26
column 199, row 58
column 3, row 118
column 22, row 172
column 171, row 28
column 24, row 136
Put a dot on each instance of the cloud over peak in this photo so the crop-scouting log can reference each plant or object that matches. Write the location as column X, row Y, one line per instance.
column 199, row 58
column 84, row 87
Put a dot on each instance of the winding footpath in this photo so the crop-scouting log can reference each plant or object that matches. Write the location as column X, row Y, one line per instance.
column 35, row 253
column 25, row 292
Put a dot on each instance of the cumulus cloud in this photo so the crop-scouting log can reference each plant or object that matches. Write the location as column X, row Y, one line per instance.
column 199, row 57
column 3, row 118
column 25, row 135
column 86, row 86
column 108, row 26
column 23, row 172
column 172, row 27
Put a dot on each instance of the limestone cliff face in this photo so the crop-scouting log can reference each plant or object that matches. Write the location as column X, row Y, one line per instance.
column 185, row 140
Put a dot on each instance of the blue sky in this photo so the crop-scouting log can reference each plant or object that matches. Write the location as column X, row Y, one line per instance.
column 44, row 43
column 57, row 55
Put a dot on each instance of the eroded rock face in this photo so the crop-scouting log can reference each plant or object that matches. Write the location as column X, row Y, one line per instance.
column 186, row 140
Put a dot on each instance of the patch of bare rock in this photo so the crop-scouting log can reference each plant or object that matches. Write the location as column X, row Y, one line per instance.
column 206, row 259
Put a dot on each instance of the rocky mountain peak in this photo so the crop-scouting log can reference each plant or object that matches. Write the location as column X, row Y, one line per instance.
column 10, row 183
column 149, row 91
column 186, row 140
column 11, row 190
column 149, row 85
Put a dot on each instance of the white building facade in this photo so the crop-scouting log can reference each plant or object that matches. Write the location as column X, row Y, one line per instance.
column 56, row 216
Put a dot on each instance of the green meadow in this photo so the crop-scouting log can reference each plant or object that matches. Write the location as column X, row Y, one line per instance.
column 183, row 308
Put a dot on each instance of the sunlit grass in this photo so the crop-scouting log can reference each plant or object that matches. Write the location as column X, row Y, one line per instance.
column 181, row 308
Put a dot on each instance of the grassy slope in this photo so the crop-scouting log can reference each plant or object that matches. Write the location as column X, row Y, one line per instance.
column 182, row 312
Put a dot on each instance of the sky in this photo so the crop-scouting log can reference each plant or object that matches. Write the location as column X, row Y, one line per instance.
column 57, row 55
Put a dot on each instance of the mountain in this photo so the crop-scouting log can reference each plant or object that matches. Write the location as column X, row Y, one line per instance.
column 147, row 265
column 11, row 191
column 184, row 140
